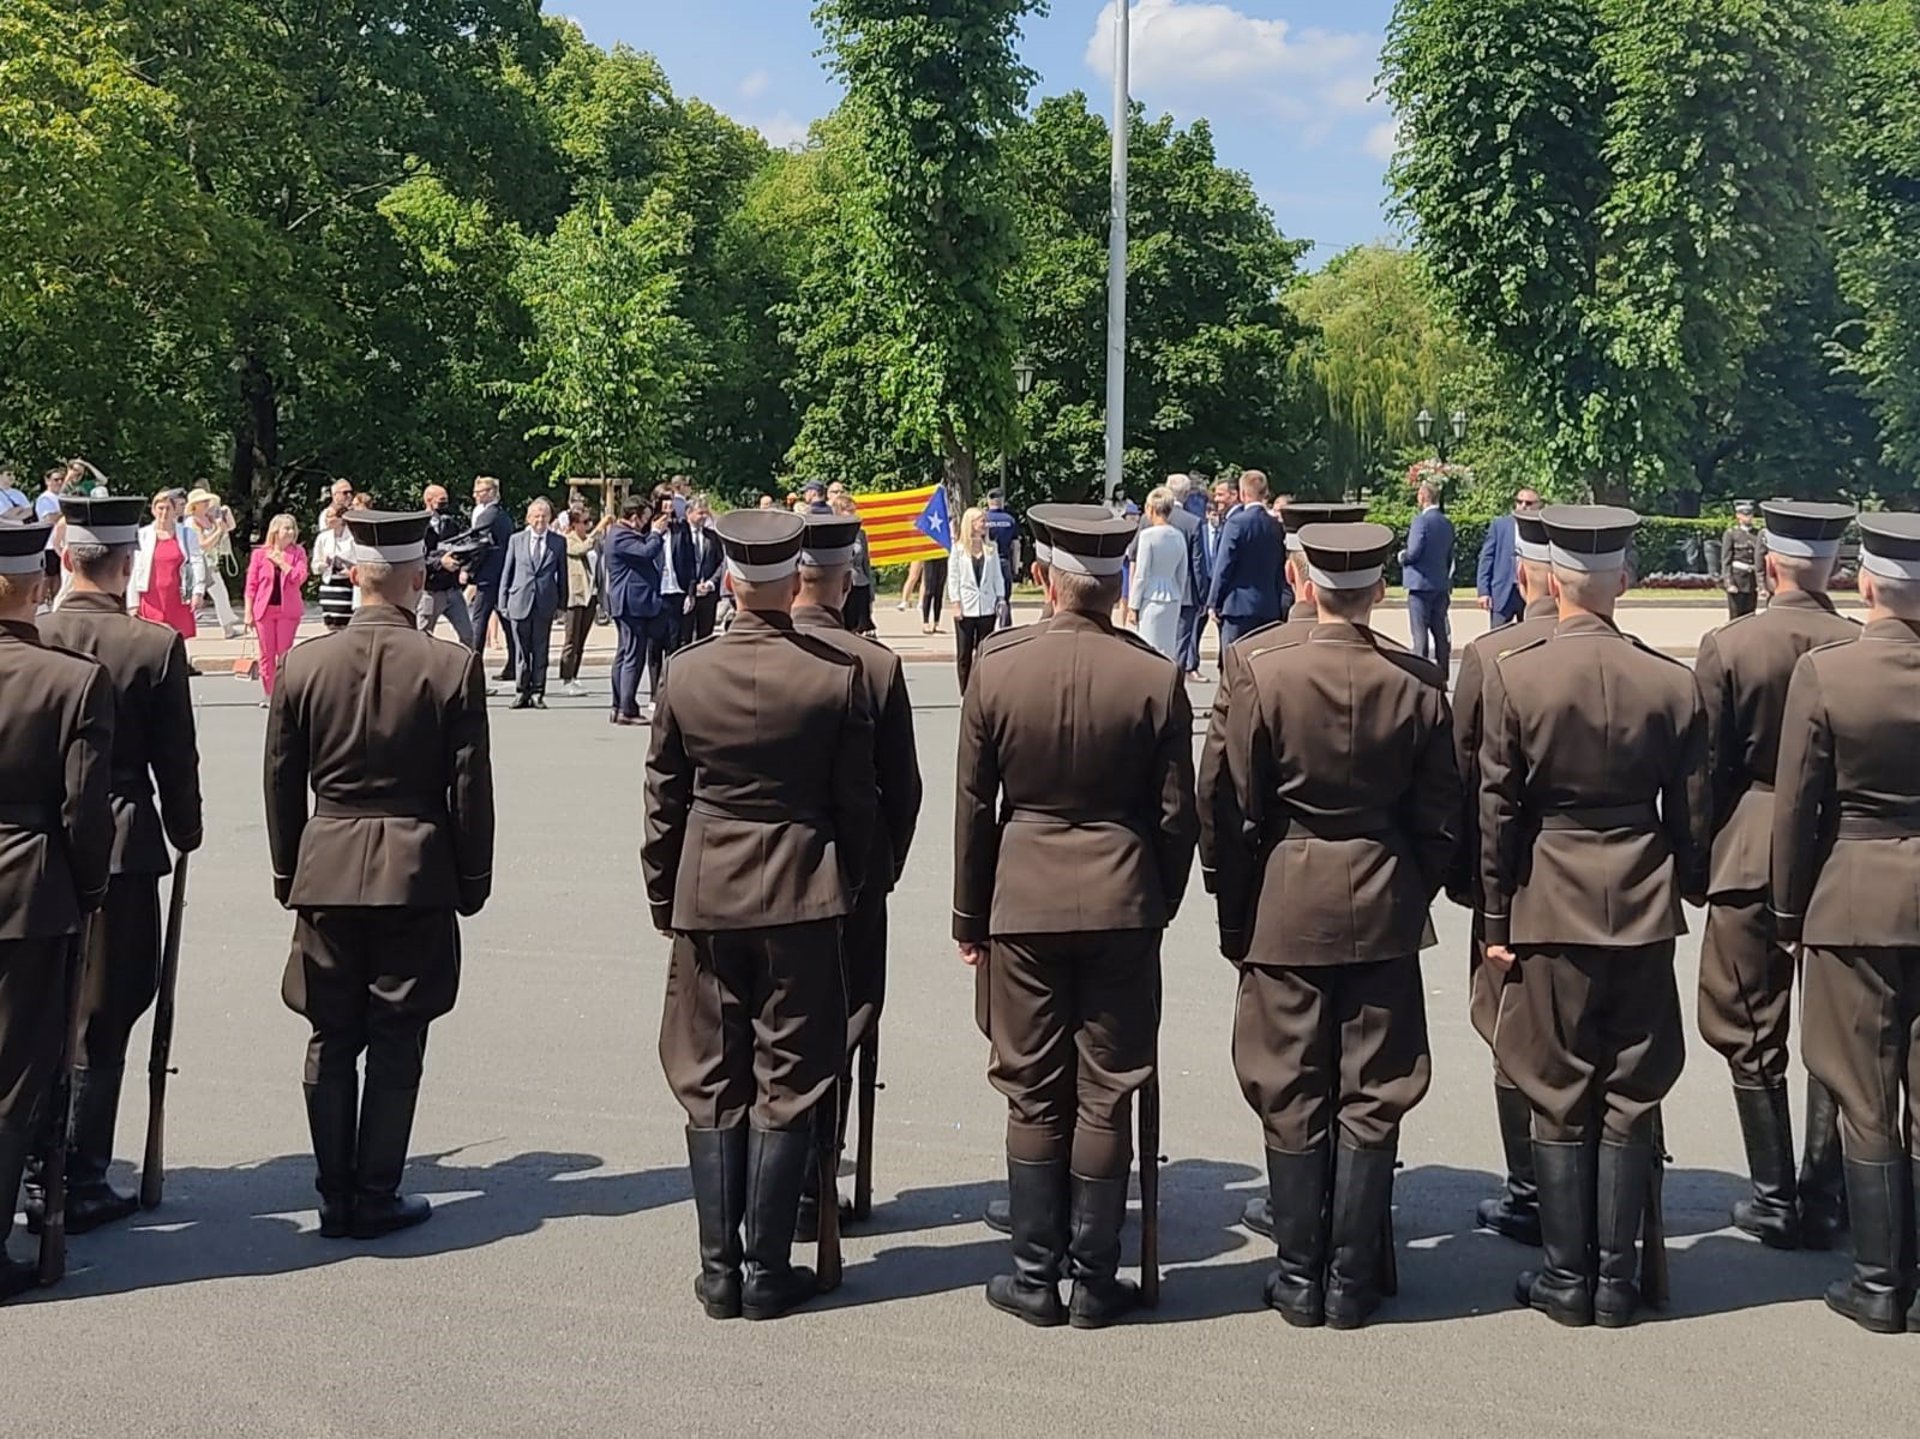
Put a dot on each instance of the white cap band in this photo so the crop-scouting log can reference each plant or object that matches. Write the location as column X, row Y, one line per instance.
column 1887, row 567
column 389, row 554
column 821, row 559
column 1043, row 553
column 1097, row 567
column 1538, row 554
column 1585, row 563
column 1294, row 546
column 1344, row 579
column 22, row 564
column 1802, row 549
column 746, row 574
column 102, row 534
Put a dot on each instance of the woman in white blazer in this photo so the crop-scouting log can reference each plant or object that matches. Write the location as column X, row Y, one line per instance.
column 168, row 568
column 975, row 588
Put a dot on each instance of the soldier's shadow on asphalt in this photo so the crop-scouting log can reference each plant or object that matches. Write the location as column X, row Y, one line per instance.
column 259, row 1219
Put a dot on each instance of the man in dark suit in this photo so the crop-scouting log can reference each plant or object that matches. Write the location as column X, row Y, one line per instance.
column 489, row 515
column 697, row 560
column 1497, row 577
column 1247, row 571
column 532, row 583
column 1427, row 564
column 635, row 553
column 1199, row 574
column 379, row 796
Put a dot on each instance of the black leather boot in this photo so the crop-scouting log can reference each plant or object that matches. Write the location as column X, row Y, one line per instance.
column 1258, row 1214
column 1772, row 1214
column 91, row 1200
column 386, row 1124
column 333, row 1121
column 1823, row 1185
column 1037, row 1197
column 777, row 1161
column 1620, row 1204
column 998, row 1216
column 1297, row 1197
column 15, row 1278
column 1100, row 1296
column 1515, row 1213
column 1362, row 1195
column 1562, row 1288
column 1880, row 1203
column 1913, row 1198
column 717, row 1160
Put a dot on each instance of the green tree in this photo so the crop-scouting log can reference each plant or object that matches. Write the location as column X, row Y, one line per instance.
column 931, row 93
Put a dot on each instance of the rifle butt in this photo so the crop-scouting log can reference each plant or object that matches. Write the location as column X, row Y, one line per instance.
column 863, row 1144
column 1149, row 1144
column 827, row 1264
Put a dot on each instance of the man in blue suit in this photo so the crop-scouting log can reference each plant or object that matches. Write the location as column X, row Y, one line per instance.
column 1427, row 564
column 533, row 581
column 1199, row 574
column 1248, row 570
column 636, row 550
column 1497, row 579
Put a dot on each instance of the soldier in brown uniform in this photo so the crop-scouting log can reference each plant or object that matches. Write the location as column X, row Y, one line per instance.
column 154, row 751
column 1340, row 756
column 1746, row 974
column 1593, row 827
column 56, row 843
column 1740, row 562
column 1846, row 885
column 1515, row 1211
column 387, row 726
column 761, row 805
column 1074, row 835
column 826, row 578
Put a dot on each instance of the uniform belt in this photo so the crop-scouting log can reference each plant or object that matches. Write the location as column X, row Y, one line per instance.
column 1610, row 816
column 1021, row 814
column 1883, row 824
column 756, row 811
column 27, row 816
column 1361, row 824
column 394, row 807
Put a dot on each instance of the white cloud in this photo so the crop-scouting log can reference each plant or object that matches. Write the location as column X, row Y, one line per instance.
column 1383, row 139
column 782, row 131
column 755, row 85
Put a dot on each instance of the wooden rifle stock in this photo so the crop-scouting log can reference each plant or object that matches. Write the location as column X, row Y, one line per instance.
column 1655, row 1285
column 826, row 1266
column 153, row 1168
column 53, row 1229
column 863, row 1143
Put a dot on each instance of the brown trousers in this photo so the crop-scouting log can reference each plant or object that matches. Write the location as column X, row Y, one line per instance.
column 1860, row 1033
column 863, row 943
column 1590, row 1032
column 33, row 986
column 372, row 979
column 1317, row 1046
column 1746, row 990
column 755, row 1022
column 1484, row 984
column 1075, row 1025
column 122, row 972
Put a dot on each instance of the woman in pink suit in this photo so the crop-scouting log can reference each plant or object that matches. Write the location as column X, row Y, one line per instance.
column 275, row 573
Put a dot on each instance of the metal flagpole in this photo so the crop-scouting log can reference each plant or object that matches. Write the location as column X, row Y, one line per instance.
column 1117, row 259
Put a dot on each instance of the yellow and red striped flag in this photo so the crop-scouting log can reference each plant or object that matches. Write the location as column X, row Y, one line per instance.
column 906, row 525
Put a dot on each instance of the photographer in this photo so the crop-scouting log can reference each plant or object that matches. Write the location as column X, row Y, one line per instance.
column 451, row 547
column 213, row 527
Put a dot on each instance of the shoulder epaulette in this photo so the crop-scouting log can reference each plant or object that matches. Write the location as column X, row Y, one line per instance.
column 1133, row 639
column 1847, row 643
column 1290, row 642
column 1647, row 649
column 1520, row 649
column 1244, row 641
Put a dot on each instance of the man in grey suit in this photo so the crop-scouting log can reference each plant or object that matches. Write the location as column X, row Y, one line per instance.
column 532, row 582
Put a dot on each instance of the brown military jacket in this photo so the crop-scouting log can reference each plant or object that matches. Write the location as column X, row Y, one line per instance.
column 1593, row 802
column 761, row 790
column 896, row 764
column 154, row 746
column 388, row 727
column 1469, row 713
column 1740, row 552
column 56, row 747
column 1075, row 808
column 1743, row 670
column 1846, row 814
column 1340, row 756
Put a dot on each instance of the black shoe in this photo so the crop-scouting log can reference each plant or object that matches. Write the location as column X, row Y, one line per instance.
column 333, row 1121
column 1620, row 1201
column 1772, row 1213
column 91, row 1201
column 1515, row 1212
column 771, row 1284
column 1823, row 1185
column 1356, row 1268
column 15, row 1278
column 1298, row 1195
column 194, row 672
column 386, row 1124
column 521, row 702
column 505, row 676
column 1037, row 1199
column 1100, row 1296
column 717, row 1159
column 998, row 1216
column 1258, row 1215
column 1879, row 1201
column 1562, row 1288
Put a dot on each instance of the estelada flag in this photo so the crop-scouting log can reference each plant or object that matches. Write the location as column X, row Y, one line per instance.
column 906, row 525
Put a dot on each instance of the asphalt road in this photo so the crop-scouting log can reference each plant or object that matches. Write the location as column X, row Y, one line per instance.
column 551, row 1293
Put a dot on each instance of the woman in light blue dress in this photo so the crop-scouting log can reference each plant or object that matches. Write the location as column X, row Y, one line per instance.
column 1159, row 576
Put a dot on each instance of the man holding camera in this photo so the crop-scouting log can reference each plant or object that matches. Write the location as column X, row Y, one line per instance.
column 442, row 595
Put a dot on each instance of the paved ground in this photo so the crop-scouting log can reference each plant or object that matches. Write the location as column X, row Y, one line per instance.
column 550, row 1294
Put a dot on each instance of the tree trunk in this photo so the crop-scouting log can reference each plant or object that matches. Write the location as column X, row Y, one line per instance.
column 1610, row 490
column 963, row 467
column 256, row 447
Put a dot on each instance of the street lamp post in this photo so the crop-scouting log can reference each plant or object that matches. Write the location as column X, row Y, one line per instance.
column 1425, row 423
column 1023, row 386
column 1117, row 259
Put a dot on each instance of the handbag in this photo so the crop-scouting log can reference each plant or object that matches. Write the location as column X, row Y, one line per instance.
column 246, row 664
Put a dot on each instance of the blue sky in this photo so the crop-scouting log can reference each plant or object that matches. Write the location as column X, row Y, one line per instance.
column 1287, row 84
